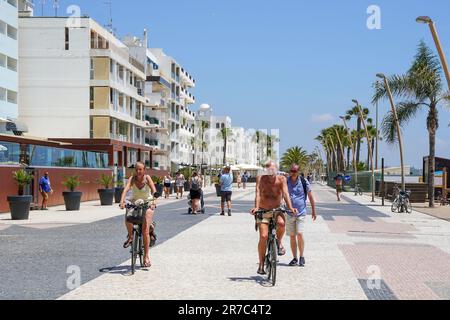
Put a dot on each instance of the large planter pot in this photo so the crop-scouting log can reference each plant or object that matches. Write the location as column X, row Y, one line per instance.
column 118, row 194
column 106, row 196
column 72, row 200
column 218, row 190
column 19, row 207
column 187, row 186
column 160, row 188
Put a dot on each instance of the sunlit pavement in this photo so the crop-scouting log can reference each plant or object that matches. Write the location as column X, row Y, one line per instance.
column 355, row 250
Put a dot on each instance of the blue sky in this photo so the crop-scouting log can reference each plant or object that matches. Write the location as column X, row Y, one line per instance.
column 288, row 64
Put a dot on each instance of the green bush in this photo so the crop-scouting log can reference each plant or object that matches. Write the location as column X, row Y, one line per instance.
column 22, row 179
column 72, row 182
column 157, row 180
column 105, row 180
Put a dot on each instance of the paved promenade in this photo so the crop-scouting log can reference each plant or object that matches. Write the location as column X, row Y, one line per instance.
column 355, row 250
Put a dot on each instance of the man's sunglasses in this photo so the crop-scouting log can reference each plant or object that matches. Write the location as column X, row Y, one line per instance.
column 294, row 171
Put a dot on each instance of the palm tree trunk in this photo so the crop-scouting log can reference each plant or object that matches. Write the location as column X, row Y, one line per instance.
column 432, row 126
column 358, row 138
column 373, row 148
column 348, row 158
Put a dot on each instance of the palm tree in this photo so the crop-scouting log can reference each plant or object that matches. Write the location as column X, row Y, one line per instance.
column 421, row 88
column 354, row 113
column 225, row 134
column 294, row 155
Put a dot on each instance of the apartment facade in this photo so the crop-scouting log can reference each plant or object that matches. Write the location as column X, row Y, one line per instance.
column 9, row 56
column 171, row 99
column 81, row 84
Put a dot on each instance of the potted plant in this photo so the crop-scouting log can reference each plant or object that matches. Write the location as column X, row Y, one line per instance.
column 118, row 190
column 20, row 205
column 72, row 198
column 106, row 194
column 158, row 181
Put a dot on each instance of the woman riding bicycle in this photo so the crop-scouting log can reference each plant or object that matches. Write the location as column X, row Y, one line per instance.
column 142, row 188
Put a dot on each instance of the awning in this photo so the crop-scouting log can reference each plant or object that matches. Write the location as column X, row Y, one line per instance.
column 16, row 126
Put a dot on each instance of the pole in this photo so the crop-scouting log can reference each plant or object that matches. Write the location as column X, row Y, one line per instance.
column 370, row 150
column 376, row 144
column 355, row 165
column 440, row 51
column 382, row 182
column 399, row 133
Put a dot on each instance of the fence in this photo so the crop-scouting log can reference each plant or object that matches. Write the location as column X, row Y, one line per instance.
column 364, row 181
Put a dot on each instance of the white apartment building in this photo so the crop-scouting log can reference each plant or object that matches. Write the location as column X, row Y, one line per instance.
column 9, row 55
column 78, row 81
column 171, row 100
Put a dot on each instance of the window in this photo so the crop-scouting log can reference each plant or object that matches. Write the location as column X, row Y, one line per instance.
column 12, row 2
column 91, row 98
column 12, row 32
column 12, row 97
column 67, row 38
column 2, row 60
column 217, row 125
column 3, row 27
column 2, row 94
column 10, row 153
column 12, row 64
column 92, row 69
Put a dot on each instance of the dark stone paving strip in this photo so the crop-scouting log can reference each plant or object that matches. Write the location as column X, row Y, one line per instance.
column 382, row 292
column 34, row 261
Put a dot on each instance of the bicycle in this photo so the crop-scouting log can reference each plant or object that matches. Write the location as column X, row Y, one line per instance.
column 358, row 190
column 401, row 201
column 443, row 199
column 272, row 243
column 135, row 214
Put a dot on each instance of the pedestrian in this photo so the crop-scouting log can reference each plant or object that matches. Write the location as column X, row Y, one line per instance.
column 299, row 191
column 45, row 189
column 195, row 192
column 167, row 183
column 239, row 180
column 179, row 184
column 226, row 184
column 339, row 181
column 245, row 177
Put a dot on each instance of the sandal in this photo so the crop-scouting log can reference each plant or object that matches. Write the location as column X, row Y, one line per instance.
column 127, row 243
column 147, row 264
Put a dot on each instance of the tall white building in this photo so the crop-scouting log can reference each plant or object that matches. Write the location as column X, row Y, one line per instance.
column 171, row 100
column 78, row 81
column 9, row 56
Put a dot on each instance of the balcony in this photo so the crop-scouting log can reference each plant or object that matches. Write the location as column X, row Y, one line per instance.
column 188, row 96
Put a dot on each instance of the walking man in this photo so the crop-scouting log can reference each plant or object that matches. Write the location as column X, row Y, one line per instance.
column 245, row 180
column 226, row 183
column 299, row 190
column 45, row 189
column 339, row 181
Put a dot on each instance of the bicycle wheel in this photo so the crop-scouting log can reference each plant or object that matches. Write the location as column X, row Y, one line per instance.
column 394, row 206
column 408, row 206
column 273, row 262
column 134, row 251
column 268, row 259
column 141, row 251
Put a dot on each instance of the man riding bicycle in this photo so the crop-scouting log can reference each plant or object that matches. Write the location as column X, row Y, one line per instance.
column 271, row 189
column 142, row 188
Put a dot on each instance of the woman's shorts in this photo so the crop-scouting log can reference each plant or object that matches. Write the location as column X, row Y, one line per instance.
column 167, row 185
column 195, row 194
column 339, row 188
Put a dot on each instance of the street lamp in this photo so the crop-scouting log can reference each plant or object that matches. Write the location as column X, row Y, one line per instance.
column 431, row 25
column 397, row 125
column 355, row 165
column 369, row 146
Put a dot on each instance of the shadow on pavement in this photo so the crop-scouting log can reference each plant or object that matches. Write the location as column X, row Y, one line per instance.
column 258, row 279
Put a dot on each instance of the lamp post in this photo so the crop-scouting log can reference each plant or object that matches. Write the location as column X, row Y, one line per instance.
column 355, row 165
column 397, row 126
column 369, row 146
column 378, row 133
column 431, row 25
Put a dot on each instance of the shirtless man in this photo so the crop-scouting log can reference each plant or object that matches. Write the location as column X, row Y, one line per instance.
column 271, row 189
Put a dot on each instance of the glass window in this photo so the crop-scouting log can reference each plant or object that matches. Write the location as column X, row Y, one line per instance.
column 2, row 27
column 2, row 94
column 12, row 97
column 12, row 64
column 13, row 3
column 9, row 153
column 12, row 32
column 2, row 60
